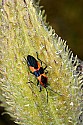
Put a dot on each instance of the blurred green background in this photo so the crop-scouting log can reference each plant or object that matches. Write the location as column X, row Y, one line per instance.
column 66, row 17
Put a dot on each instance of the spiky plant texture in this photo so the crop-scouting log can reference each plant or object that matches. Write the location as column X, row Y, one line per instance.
column 24, row 31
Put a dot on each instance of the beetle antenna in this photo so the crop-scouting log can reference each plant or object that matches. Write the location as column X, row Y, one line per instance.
column 47, row 94
column 54, row 91
column 25, row 59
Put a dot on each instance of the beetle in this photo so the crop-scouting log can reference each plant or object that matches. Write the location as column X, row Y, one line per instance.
column 36, row 69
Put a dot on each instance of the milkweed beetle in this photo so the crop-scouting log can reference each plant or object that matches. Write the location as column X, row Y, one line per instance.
column 37, row 70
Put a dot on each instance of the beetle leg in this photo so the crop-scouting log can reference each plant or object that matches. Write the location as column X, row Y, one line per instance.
column 41, row 61
column 40, row 88
column 37, row 82
column 38, row 58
